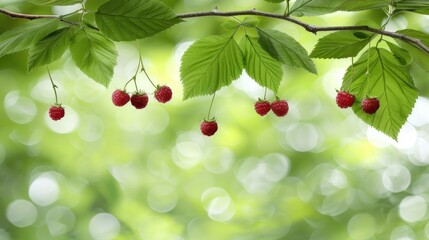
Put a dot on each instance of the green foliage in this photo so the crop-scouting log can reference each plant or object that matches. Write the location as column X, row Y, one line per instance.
column 55, row 2
column 126, row 20
column 261, row 66
column 209, row 64
column 379, row 74
column 50, row 48
column 286, row 49
column 341, row 44
column 25, row 36
column 421, row 57
column 275, row 1
column 94, row 54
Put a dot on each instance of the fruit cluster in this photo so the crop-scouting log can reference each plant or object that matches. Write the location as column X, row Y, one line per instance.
column 345, row 100
column 279, row 107
column 139, row 99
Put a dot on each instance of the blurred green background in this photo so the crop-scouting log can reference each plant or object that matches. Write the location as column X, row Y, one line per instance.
column 104, row 172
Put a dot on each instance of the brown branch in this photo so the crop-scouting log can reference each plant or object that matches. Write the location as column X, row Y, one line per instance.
column 25, row 16
column 310, row 28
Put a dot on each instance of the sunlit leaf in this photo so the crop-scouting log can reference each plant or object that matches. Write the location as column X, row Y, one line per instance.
column 50, row 48
column 126, row 20
column 390, row 82
column 209, row 64
column 421, row 57
column 286, row 49
column 94, row 54
column 261, row 66
column 341, row 44
column 25, row 36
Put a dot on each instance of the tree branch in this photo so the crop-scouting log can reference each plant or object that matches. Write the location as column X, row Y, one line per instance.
column 310, row 28
column 25, row 16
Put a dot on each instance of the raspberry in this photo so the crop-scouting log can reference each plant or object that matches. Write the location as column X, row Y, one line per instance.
column 208, row 128
column 120, row 98
column 262, row 107
column 163, row 93
column 370, row 105
column 280, row 108
column 139, row 100
column 56, row 112
column 345, row 99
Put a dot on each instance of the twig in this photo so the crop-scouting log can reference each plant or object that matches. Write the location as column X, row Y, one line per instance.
column 310, row 28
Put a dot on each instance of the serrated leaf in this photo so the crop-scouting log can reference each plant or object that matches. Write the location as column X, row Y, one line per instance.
column 94, row 54
column 314, row 7
column 126, row 20
column 50, row 48
column 402, row 55
column 260, row 66
column 341, row 44
column 55, row 2
column 25, row 36
column 421, row 57
column 210, row 64
column 286, row 49
column 390, row 82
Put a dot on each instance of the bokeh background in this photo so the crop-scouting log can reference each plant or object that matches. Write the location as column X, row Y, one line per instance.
column 105, row 173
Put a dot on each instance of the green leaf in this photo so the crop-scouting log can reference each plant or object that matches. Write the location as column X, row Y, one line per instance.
column 390, row 82
column 314, row 7
column 275, row 1
column 94, row 54
column 402, row 55
column 25, row 36
column 286, row 49
column 126, row 20
column 231, row 24
column 50, row 48
column 55, row 2
column 260, row 66
column 353, row 5
column 421, row 57
column 209, row 64
column 419, row 6
column 250, row 22
column 341, row 44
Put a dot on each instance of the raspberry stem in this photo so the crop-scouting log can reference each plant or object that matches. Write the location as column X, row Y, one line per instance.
column 211, row 105
column 53, row 86
column 142, row 65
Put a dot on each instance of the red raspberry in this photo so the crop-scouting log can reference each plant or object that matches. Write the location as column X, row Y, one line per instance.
column 56, row 112
column 280, row 107
column 262, row 107
column 120, row 98
column 163, row 93
column 208, row 128
column 139, row 100
column 370, row 105
column 345, row 99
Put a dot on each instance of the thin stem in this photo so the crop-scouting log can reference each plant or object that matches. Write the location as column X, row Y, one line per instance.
column 53, row 86
column 265, row 94
column 210, row 108
column 287, row 8
column 82, row 15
